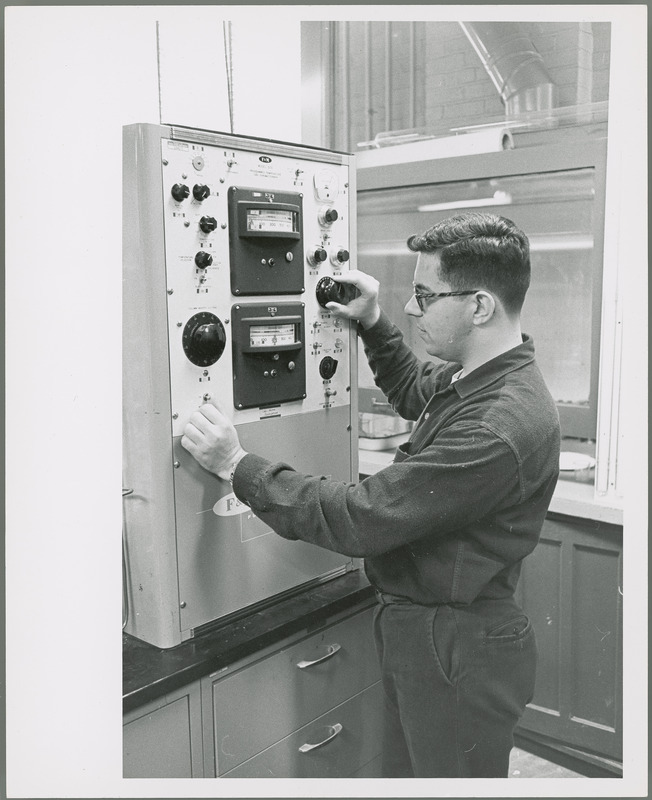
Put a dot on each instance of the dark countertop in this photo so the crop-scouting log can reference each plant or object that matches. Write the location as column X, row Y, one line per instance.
column 149, row 672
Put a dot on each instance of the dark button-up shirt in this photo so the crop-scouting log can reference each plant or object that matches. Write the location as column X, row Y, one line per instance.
column 464, row 501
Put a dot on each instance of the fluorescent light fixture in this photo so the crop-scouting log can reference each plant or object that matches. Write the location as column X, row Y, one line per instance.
column 560, row 242
column 497, row 199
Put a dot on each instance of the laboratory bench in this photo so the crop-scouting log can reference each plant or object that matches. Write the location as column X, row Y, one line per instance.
column 291, row 689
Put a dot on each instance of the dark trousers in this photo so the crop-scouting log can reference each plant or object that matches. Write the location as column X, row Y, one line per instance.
column 456, row 680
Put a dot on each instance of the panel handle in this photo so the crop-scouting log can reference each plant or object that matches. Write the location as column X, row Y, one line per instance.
column 332, row 649
column 333, row 731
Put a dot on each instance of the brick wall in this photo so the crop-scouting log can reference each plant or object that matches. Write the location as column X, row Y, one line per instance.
column 401, row 75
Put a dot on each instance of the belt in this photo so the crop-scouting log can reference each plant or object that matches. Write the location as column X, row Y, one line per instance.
column 386, row 599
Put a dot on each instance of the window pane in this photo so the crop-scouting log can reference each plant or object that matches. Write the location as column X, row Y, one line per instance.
column 554, row 209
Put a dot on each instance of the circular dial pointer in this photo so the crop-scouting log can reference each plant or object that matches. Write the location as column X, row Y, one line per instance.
column 204, row 339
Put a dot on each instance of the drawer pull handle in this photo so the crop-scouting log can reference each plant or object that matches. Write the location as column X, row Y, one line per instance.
column 333, row 730
column 332, row 649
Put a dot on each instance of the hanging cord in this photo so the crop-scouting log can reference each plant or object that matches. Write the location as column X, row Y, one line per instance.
column 228, row 57
column 158, row 71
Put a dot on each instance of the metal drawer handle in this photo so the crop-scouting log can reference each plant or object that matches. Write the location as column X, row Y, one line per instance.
column 332, row 649
column 333, row 730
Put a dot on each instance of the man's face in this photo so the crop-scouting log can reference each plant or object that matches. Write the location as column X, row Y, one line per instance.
column 446, row 323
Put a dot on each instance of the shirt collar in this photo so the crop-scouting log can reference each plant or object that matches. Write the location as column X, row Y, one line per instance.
column 499, row 366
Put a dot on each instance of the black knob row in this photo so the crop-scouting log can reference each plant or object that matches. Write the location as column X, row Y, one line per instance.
column 199, row 191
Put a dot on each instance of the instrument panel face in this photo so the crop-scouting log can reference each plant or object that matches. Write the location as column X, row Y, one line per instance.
column 246, row 230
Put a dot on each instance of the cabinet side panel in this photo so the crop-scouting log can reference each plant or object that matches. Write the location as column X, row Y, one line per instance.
column 150, row 535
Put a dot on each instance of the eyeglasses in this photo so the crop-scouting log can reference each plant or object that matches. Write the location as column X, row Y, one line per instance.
column 421, row 298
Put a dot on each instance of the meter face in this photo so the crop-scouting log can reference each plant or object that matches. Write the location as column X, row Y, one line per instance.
column 269, row 220
column 272, row 335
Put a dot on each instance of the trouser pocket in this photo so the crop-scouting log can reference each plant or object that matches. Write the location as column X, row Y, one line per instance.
column 511, row 630
column 445, row 640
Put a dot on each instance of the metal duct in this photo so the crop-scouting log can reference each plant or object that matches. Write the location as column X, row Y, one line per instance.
column 514, row 65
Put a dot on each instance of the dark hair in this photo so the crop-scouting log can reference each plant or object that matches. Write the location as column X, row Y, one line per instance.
column 480, row 251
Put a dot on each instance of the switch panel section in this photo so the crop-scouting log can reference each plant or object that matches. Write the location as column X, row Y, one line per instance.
column 251, row 225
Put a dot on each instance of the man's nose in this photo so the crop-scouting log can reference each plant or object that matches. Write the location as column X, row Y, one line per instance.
column 412, row 307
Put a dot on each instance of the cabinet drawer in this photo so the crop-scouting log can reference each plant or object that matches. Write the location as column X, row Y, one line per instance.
column 269, row 699
column 352, row 736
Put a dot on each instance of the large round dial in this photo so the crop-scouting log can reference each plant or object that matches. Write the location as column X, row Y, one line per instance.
column 329, row 290
column 204, row 339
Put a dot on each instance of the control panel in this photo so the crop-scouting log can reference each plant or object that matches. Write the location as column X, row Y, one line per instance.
column 233, row 248
column 248, row 225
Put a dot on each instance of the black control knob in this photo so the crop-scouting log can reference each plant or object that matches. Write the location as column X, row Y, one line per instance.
column 327, row 367
column 203, row 259
column 180, row 191
column 208, row 224
column 342, row 256
column 327, row 216
column 204, row 339
column 200, row 191
column 318, row 256
column 329, row 290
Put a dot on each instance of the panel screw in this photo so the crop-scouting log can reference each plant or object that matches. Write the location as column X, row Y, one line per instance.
column 223, row 226
column 175, row 415
column 179, row 324
column 182, row 604
column 165, row 162
column 177, row 464
column 170, row 291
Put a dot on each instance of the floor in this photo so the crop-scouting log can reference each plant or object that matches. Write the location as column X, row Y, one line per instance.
column 526, row 765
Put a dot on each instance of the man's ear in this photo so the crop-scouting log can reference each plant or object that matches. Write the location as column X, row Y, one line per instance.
column 485, row 307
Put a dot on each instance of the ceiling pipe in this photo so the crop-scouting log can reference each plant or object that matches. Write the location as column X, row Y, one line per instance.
column 514, row 65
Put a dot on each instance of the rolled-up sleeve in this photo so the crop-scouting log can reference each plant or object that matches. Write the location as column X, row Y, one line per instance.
column 465, row 474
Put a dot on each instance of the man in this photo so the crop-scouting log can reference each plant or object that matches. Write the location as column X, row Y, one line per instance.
column 443, row 530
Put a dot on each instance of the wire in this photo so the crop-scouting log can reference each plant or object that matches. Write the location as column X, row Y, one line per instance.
column 228, row 58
